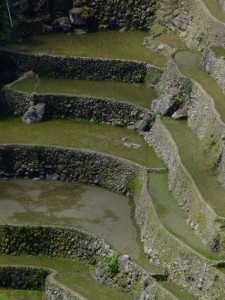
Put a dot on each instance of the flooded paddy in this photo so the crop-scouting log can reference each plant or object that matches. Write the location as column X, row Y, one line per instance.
column 99, row 211
column 110, row 44
column 133, row 93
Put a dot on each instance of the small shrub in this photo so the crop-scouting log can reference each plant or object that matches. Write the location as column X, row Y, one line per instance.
column 158, row 29
column 113, row 265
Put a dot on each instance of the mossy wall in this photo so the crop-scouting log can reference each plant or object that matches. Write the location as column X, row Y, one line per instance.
column 75, row 107
column 79, row 67
column 22, row 278
column 204, row 27
column 67, row 164
column 214, row 66
column 184, row 266
column 206, row 223
column 205, row 121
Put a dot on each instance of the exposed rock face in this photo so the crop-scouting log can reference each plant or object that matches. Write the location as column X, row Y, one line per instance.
column 164, row 106
column 182, row 112
column 76, row 17
column 63, row 24
column 34, row 113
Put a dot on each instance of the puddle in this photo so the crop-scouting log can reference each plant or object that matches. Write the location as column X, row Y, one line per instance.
column 186, row 58
column 96, row 210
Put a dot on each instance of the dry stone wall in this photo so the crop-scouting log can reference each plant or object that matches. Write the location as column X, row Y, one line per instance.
column 204, row 27
column 184, row 266
column 67, row 164
column 79, row 67
column 205, row 121
column 214, row 66
column 201, row 217
column 75, row 107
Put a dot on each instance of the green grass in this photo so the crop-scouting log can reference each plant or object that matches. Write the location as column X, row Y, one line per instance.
column 74, row 274
column 20, row 295
column 171, row 39
column 110, row 44
column 198, row 73
column 216, row 9
column 219, row 51
column 196, row 164
column 137, row 94
column 82, row 135
column 176, row 291
column 171, row 215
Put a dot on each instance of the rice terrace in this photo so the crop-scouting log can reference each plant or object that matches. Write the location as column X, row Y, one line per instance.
column 112, row 150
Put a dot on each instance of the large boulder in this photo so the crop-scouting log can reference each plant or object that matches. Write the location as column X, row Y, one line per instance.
column 35, row 113
column 63, row 24
column 77, row 17
column 182, row 112
column 165, row 106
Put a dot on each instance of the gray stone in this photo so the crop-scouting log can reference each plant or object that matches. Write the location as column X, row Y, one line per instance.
column 34, row 113
column 182, row 112
column 76, row 18
column 63, row 24
column 163, row 106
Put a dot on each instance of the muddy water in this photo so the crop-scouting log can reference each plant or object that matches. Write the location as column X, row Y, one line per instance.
column 104, row 213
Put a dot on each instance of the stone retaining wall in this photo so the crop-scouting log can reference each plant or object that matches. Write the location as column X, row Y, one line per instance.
column 204, row 27
column 205, row 121
column 75, row 107
column 54, row 66
column 214, row 66
column 183, row 265
column 67, row 164
column 201, row 217
column 22, row 278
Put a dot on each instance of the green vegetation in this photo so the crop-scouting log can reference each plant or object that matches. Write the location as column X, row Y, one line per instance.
column 112, row 265
column 197, row 72
column 171, row 215
column 82, row 135
column 157, row 29
column 110, row 44
column 137, row 94
column 20, row 295
column 216, row 9
column 74, row 274
column 219, row 51
column 176, row 291
column 171, row 39
column 197, row 164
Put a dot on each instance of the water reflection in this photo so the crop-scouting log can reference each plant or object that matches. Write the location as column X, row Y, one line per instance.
column 90, row 208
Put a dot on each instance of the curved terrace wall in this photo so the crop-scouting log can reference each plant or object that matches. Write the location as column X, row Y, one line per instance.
column 214, row 66
column 203, row 219
column 79, row 107
column 205, row 121
column 183, row 265
column 68, row 164
column 204, row 27
column 55, row 66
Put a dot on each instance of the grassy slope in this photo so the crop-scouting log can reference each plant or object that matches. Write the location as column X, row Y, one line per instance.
column 196, row 164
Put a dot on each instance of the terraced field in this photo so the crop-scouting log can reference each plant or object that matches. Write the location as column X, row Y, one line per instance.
column 112, row 140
